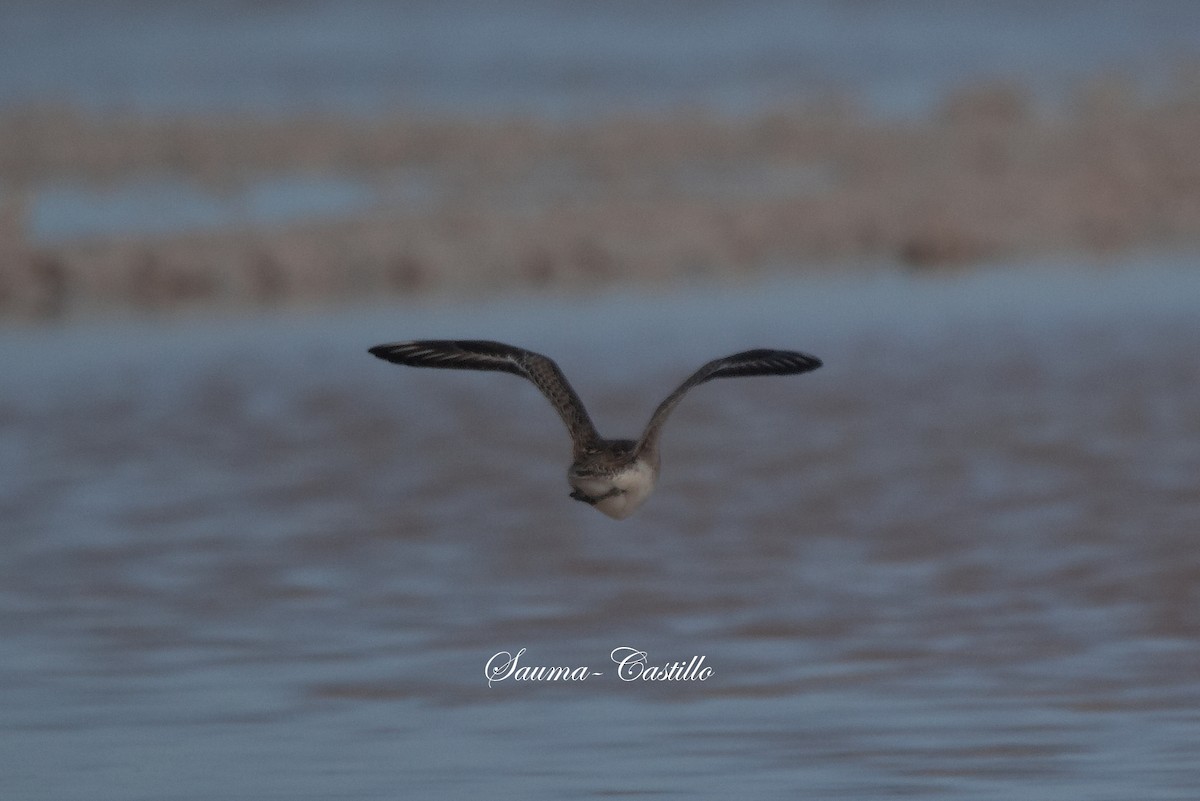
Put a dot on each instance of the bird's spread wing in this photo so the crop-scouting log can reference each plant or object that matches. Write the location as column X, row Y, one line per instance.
column 747, row 363
column 468, row 354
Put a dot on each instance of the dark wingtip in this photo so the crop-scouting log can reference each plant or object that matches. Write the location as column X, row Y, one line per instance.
column 792, row 361
column 386, row 352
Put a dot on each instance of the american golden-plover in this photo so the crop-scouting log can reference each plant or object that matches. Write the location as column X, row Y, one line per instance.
column 613, row 475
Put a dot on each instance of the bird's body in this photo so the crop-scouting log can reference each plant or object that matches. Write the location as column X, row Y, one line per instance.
column 616, row 478
column 613, row 475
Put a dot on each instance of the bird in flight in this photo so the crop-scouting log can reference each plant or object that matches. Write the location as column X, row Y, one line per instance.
column 613, row 475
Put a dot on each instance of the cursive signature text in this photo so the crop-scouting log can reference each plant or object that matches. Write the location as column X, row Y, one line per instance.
column 633, row 664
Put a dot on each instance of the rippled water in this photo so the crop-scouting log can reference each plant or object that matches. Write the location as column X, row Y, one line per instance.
column 242, row 559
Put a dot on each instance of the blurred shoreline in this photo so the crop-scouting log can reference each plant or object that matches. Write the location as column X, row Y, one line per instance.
column 461, row 207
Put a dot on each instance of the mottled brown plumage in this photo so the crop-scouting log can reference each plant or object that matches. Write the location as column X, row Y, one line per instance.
column 615, row 476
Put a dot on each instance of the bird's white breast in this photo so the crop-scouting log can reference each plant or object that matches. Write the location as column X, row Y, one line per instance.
column 635, row 484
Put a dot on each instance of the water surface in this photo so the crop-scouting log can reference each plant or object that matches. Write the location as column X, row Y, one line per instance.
column 242, row 559
column 568, row 58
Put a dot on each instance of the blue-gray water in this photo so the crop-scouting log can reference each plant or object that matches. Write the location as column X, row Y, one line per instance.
column 549, row 57
column 242, row 559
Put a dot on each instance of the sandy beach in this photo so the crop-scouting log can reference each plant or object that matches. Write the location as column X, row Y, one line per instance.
column 466, row 207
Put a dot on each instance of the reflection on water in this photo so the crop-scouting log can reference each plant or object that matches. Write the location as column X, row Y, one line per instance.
column 247, row 560
column 64, row 211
